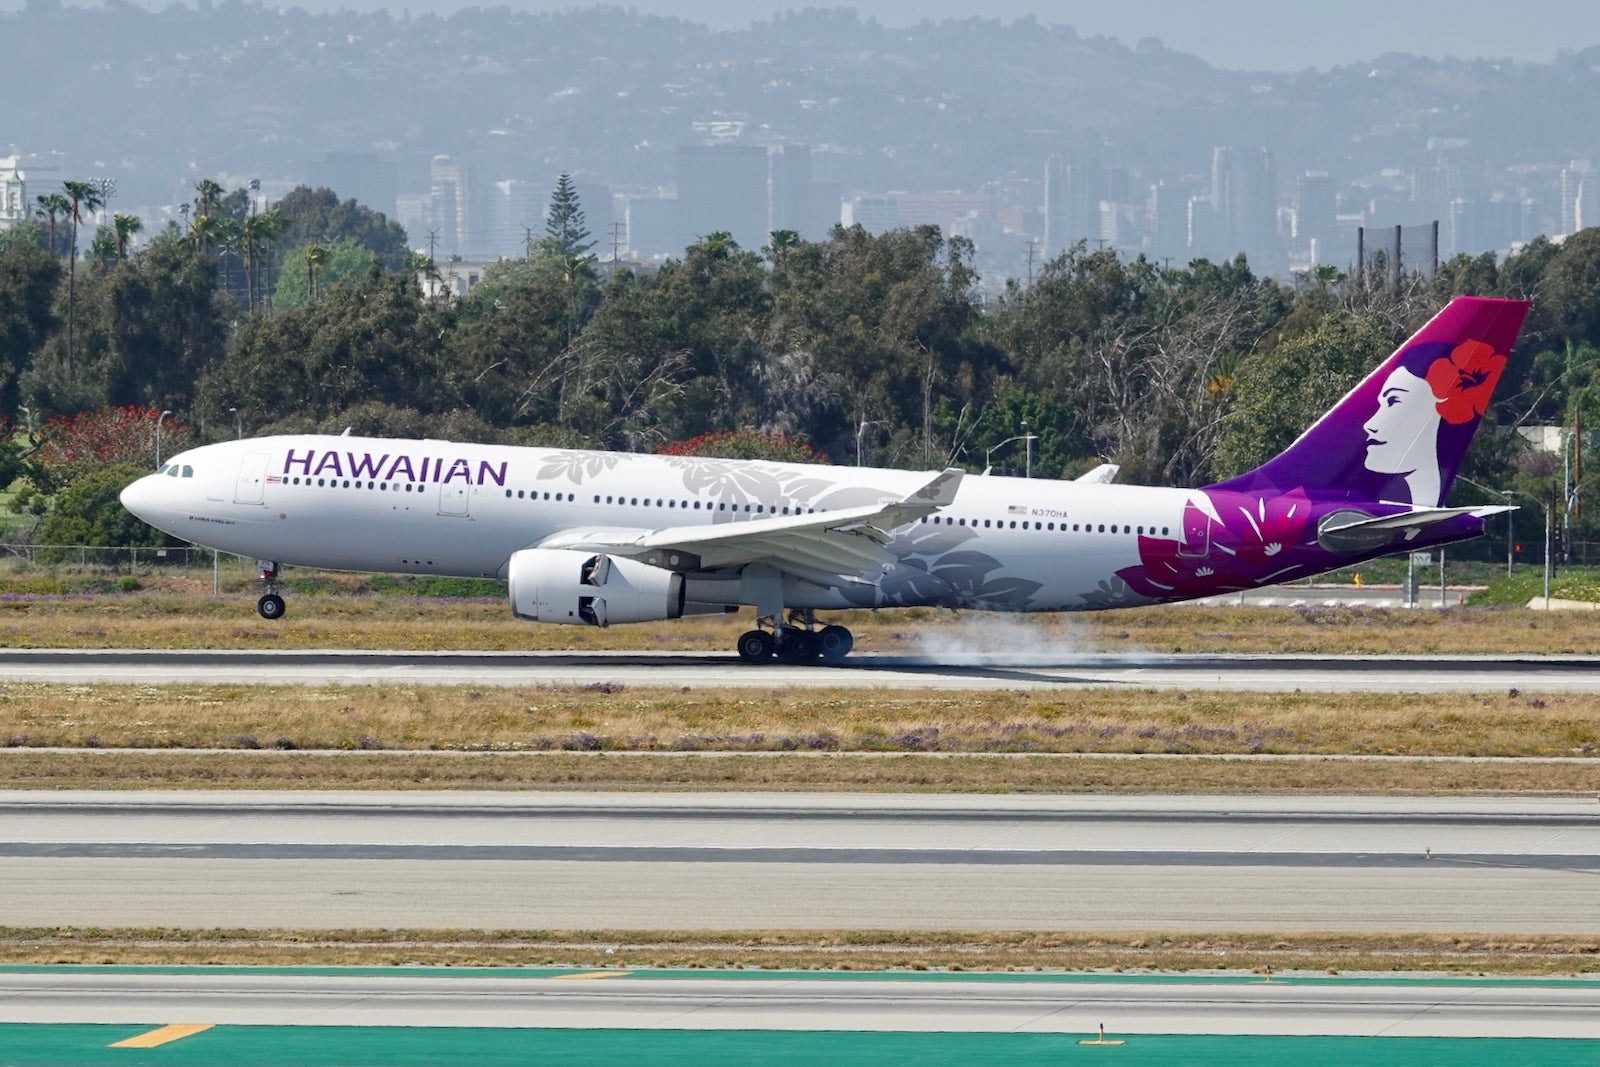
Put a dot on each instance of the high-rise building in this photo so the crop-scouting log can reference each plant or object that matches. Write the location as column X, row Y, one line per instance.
column 1571, row 185
column 723, row 188
column 789, row 190
column 1070, row 213
column 875, row 214
column 451, row 206
column 13, row 193
column 1167, row 223
column 1316, row 213
column 360, row 176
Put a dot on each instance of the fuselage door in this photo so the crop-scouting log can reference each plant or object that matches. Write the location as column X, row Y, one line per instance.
column 252, row 478
column 1196, row 532
column 454, row 498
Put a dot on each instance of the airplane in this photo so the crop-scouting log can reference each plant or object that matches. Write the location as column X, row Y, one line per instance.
column 595, row 538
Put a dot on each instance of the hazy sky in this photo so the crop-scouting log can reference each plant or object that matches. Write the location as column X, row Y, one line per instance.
column 1254, row 34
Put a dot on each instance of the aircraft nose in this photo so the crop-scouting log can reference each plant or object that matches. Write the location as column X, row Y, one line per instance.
column 140, row 497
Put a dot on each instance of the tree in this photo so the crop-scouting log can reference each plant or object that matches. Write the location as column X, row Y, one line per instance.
column 29, row 278
column 744, row 444
column 318, row 216
column 88, row 512
column 566, row 236
column 74, row 446
column 126, row 226
column 309, row 273
column 1284, row 389
column 81, row 196
column 255, row 233
column 207, row 198
column 51, row 207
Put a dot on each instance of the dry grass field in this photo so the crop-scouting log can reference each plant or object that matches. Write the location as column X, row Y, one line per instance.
column 173, row 611
column 868, row 950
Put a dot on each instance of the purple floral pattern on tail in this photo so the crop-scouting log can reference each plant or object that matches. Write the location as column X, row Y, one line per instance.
column 1230, row 541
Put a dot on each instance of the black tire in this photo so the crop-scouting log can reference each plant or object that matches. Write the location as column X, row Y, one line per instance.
column 271, row 606
column 756, row 646
column 799, row 646
column 834, row 643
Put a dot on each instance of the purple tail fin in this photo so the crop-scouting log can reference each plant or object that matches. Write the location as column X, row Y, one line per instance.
column 1400, row 435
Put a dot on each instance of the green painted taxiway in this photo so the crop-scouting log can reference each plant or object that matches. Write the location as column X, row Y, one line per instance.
column 43, row 1045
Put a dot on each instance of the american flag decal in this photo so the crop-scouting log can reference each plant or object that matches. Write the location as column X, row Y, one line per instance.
column 274, row 478
column 1016, row 509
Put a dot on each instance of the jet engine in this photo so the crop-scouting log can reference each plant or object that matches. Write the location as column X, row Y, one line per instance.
column 590, row 588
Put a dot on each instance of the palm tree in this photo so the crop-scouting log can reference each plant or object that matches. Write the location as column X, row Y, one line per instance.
column 52, row 206
column 126, row 226
column 423, row 268
column 81, row 197
column 208, row 230
column 255, row 232
column 316, row 257
column 103, row 248
column 208, row 196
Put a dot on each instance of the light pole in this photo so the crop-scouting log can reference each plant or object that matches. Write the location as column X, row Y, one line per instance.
column 159, row 420
column 238, row 423
column 1023, row 436
column 861, row 433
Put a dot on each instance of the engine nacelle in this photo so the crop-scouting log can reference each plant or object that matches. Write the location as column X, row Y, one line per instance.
column 579, row 588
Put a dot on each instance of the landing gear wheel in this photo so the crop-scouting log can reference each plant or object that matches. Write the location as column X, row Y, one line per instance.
column 756, row 646
column 271, row 606
column 799, row 646
column 834, row 643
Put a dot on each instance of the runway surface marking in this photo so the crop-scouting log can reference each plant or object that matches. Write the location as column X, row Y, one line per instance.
column 163, row 1036
column 981, row 671
column 1488, row 866
column 979, row 856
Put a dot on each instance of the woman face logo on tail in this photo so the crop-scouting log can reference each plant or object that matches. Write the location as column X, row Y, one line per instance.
column 1403, row 433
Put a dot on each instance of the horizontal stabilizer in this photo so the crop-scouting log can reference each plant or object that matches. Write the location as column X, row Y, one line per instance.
column 1353, row 531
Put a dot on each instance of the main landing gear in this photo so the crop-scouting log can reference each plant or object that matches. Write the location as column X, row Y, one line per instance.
column 800, row 641
column 271, row 605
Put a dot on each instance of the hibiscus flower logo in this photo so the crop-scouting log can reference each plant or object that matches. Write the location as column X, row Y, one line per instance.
column 1463, row 381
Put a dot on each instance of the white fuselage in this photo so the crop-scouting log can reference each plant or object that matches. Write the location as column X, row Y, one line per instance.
column 436, row 507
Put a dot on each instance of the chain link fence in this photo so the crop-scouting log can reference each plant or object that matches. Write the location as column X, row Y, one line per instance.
column 120, row 559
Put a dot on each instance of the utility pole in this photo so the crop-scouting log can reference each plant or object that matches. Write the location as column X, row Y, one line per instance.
column 527, row 240
column 433, row 244
column 616, row 245
column 1032, row 243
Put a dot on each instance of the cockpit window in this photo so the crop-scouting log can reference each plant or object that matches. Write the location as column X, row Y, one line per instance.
column 188, row 471
column 163, row 468
column 172, row 471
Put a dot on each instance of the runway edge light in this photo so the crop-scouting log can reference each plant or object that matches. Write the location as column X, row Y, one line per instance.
column 1101, row 1040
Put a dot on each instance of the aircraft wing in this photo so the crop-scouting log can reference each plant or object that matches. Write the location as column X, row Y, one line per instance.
column 831, row 548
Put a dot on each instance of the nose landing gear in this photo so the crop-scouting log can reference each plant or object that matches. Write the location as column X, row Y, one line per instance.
column 271, row 605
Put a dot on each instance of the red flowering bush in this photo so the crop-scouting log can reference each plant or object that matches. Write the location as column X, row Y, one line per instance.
column 75, row 445
column 744, row 444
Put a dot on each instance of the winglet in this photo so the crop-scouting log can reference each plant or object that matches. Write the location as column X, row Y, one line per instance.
column 941, row 491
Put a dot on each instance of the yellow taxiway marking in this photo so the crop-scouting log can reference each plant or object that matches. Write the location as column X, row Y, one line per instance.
column 596, row 974
column 162, row 1036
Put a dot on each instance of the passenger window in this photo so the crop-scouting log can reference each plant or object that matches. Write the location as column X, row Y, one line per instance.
column 1102, row 527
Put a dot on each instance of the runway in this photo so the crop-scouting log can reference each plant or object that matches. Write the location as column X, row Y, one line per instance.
column 1255, row 673
column 657, row 1001
column 786, row 861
